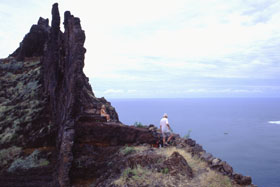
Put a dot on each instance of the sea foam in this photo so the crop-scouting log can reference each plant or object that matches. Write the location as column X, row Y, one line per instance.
column 274, row 122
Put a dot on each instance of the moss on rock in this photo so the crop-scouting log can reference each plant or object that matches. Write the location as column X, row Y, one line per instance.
column 21, row 98
column 31, row 161
column 9, row 155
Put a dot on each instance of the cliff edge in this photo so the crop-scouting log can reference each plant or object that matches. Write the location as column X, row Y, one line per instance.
column 52, row 133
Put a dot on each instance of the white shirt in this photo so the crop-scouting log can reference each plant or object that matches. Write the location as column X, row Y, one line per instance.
column 163, row 124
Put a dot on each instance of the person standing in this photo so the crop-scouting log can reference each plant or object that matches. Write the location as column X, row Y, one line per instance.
column 165, row 129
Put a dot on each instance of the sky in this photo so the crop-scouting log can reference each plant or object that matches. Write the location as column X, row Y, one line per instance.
column 166, row 49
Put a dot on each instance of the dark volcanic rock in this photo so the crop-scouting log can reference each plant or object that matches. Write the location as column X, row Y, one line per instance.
column 66, row 86
column 177, row 162
column 243, row 180
column 149, row 160
column 196, row 150
column 91, row 161
column 207, row 157
column 227, row 168
column 190, row 142
column 63, row 62
column 112, row 134
column 34, row 42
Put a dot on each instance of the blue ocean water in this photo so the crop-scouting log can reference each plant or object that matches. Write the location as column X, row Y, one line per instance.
column 245, row 132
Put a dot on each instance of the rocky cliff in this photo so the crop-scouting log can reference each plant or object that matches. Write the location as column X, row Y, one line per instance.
column 52, row 134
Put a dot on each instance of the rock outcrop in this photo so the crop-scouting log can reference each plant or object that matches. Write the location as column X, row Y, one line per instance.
column 44, row 94
column 52, row 134
column 33, row 42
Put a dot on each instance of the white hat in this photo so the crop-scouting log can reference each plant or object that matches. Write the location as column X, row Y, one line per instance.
column 164, row 115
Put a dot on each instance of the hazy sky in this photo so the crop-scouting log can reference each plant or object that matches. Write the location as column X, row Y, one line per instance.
column 158, row 48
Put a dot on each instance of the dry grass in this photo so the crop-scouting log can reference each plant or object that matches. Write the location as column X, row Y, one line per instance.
column 145, row 176
column 126, row 150
column 194, row 162
column 214, row 179
column 141, row 176
column 203, row 175
column 141, row 148
column 135, row 174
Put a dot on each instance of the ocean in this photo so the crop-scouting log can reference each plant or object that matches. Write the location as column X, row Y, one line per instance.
column 245, row 132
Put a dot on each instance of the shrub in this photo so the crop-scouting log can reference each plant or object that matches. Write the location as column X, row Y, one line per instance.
column 165, row 171
column 188, row 134
column 129, row 172
column 138, row 124
column 136, row 174
column 32, row 161
column 127, row 150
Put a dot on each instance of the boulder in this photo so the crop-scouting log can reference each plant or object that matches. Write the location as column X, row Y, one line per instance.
column 227, row 168
column 190, row 142
column 197, row 150
column 242, row 180
column 207, row 157
column 215, row 161
column 177, row 163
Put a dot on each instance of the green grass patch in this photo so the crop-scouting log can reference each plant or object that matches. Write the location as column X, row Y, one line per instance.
column 165, row 171
column 132, row 176
column 127, row 150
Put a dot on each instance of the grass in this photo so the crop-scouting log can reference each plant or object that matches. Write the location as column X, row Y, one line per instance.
column 165, row 171
column 213, row 179
column 140, row 148
column 127, row 150
column 141, row 176
column 149, row 176
column 137, row 176
column 203, row 176
column 194, row 162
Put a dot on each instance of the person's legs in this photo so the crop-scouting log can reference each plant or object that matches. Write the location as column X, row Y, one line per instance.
column 163, row 138
column 170, row 136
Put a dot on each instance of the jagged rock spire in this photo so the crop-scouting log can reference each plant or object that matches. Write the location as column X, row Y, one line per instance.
column 34, row 42
column 65, row 95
